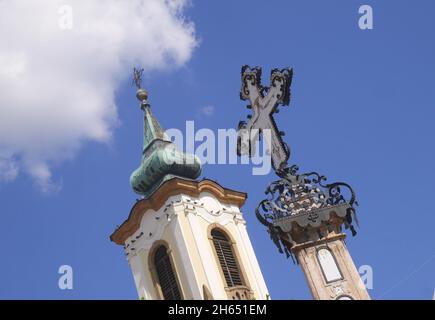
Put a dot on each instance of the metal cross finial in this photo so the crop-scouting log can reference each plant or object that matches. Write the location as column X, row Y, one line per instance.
column 137, row 77
column 264, row 102
column 297, row 203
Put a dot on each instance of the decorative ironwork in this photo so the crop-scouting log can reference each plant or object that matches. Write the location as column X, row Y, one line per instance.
column 296, row 201
column 307, row 201
column 137, row 77
column 264, row 102
column 304, row 194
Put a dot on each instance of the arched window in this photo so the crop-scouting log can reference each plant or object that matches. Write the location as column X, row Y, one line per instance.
column 227, row 259
column 328, row 265
column 166, row 275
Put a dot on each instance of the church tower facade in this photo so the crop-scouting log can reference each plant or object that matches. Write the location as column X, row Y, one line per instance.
column 185, row 239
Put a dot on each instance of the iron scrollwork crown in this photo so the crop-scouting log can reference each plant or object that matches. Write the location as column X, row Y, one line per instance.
column 295, row 194
column 307, row 200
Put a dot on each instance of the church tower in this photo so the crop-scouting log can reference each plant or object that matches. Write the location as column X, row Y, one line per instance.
column 185, row 239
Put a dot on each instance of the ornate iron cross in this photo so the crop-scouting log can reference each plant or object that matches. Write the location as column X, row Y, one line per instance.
column 264, row 102
column 297, row 201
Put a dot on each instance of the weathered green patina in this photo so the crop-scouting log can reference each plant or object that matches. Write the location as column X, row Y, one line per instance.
column 161, row 160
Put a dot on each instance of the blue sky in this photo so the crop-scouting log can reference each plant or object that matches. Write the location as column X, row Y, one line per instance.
column 362, row 111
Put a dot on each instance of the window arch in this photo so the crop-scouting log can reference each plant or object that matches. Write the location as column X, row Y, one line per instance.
column 166, row 275
column 227, row 259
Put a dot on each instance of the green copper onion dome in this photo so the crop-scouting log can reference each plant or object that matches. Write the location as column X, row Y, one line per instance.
column 161, row 160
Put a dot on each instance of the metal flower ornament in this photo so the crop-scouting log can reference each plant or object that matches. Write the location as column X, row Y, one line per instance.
column 137, row 77
column 297, row 204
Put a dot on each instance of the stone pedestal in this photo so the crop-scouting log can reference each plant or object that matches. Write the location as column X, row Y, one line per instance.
column 329, row 269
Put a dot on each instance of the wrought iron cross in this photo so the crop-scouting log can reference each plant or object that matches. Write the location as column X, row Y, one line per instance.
column 300, row 200
column 264, row 102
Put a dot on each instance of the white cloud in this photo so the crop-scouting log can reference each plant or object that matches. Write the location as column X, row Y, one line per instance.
column 58, row 84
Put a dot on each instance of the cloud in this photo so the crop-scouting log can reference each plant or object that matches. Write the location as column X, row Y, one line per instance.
column 207, row 111
column 60, row 65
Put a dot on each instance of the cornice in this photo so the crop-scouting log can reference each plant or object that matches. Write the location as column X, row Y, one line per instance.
column 170, row 188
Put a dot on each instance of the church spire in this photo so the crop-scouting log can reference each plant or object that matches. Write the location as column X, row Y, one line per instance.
column 161, row 160
column 178, row 239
